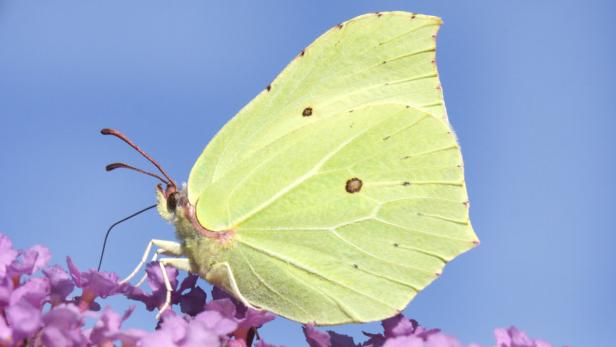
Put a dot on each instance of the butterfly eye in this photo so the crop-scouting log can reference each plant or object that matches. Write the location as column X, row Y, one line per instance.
column 172, row 201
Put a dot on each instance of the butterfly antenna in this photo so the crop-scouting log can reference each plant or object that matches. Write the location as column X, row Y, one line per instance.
column 123, row 137
column 114, row 166
column 100, row 260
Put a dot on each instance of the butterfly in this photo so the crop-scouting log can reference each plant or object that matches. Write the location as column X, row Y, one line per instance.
column 338, row 193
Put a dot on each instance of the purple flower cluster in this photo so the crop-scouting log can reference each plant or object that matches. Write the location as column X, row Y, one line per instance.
column 221, row 321
column 37, row 311
column 513, row 337
column 399, row 331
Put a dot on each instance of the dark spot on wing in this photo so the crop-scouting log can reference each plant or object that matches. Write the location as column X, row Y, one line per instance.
column 301, row 54
column 355, row 266
column 353, row 185
column 269, row 87
column 307, row 112
column 406, row 183
column 339, row 26
column 413, row 16
column 378, row 14
column 386, row 138
column 396, row 245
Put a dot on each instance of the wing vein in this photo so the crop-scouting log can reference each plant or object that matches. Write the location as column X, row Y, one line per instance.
column 387, row 278
column 419, row 231
column 385, row 84
column 406, row 33
column 375, row 257
column 312, row 272
column 349, row 313
column 305, row 176
column 266, row 285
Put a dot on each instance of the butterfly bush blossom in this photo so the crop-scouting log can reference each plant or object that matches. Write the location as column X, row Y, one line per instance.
column 44, row 305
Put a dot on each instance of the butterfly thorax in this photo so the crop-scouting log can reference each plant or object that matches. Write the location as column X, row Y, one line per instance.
column 200, row 245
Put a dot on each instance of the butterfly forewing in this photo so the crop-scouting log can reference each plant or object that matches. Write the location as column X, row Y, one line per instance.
column 375, row 58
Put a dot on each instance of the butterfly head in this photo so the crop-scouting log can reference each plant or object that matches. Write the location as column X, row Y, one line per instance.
column 171, row 201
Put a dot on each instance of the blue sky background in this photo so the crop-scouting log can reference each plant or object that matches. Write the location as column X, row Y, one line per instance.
column 529, row 87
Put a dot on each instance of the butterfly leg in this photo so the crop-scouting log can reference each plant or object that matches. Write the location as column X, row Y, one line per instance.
column 178, row 263
column 221, row 275
column 164, row 247
column 158, row 252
